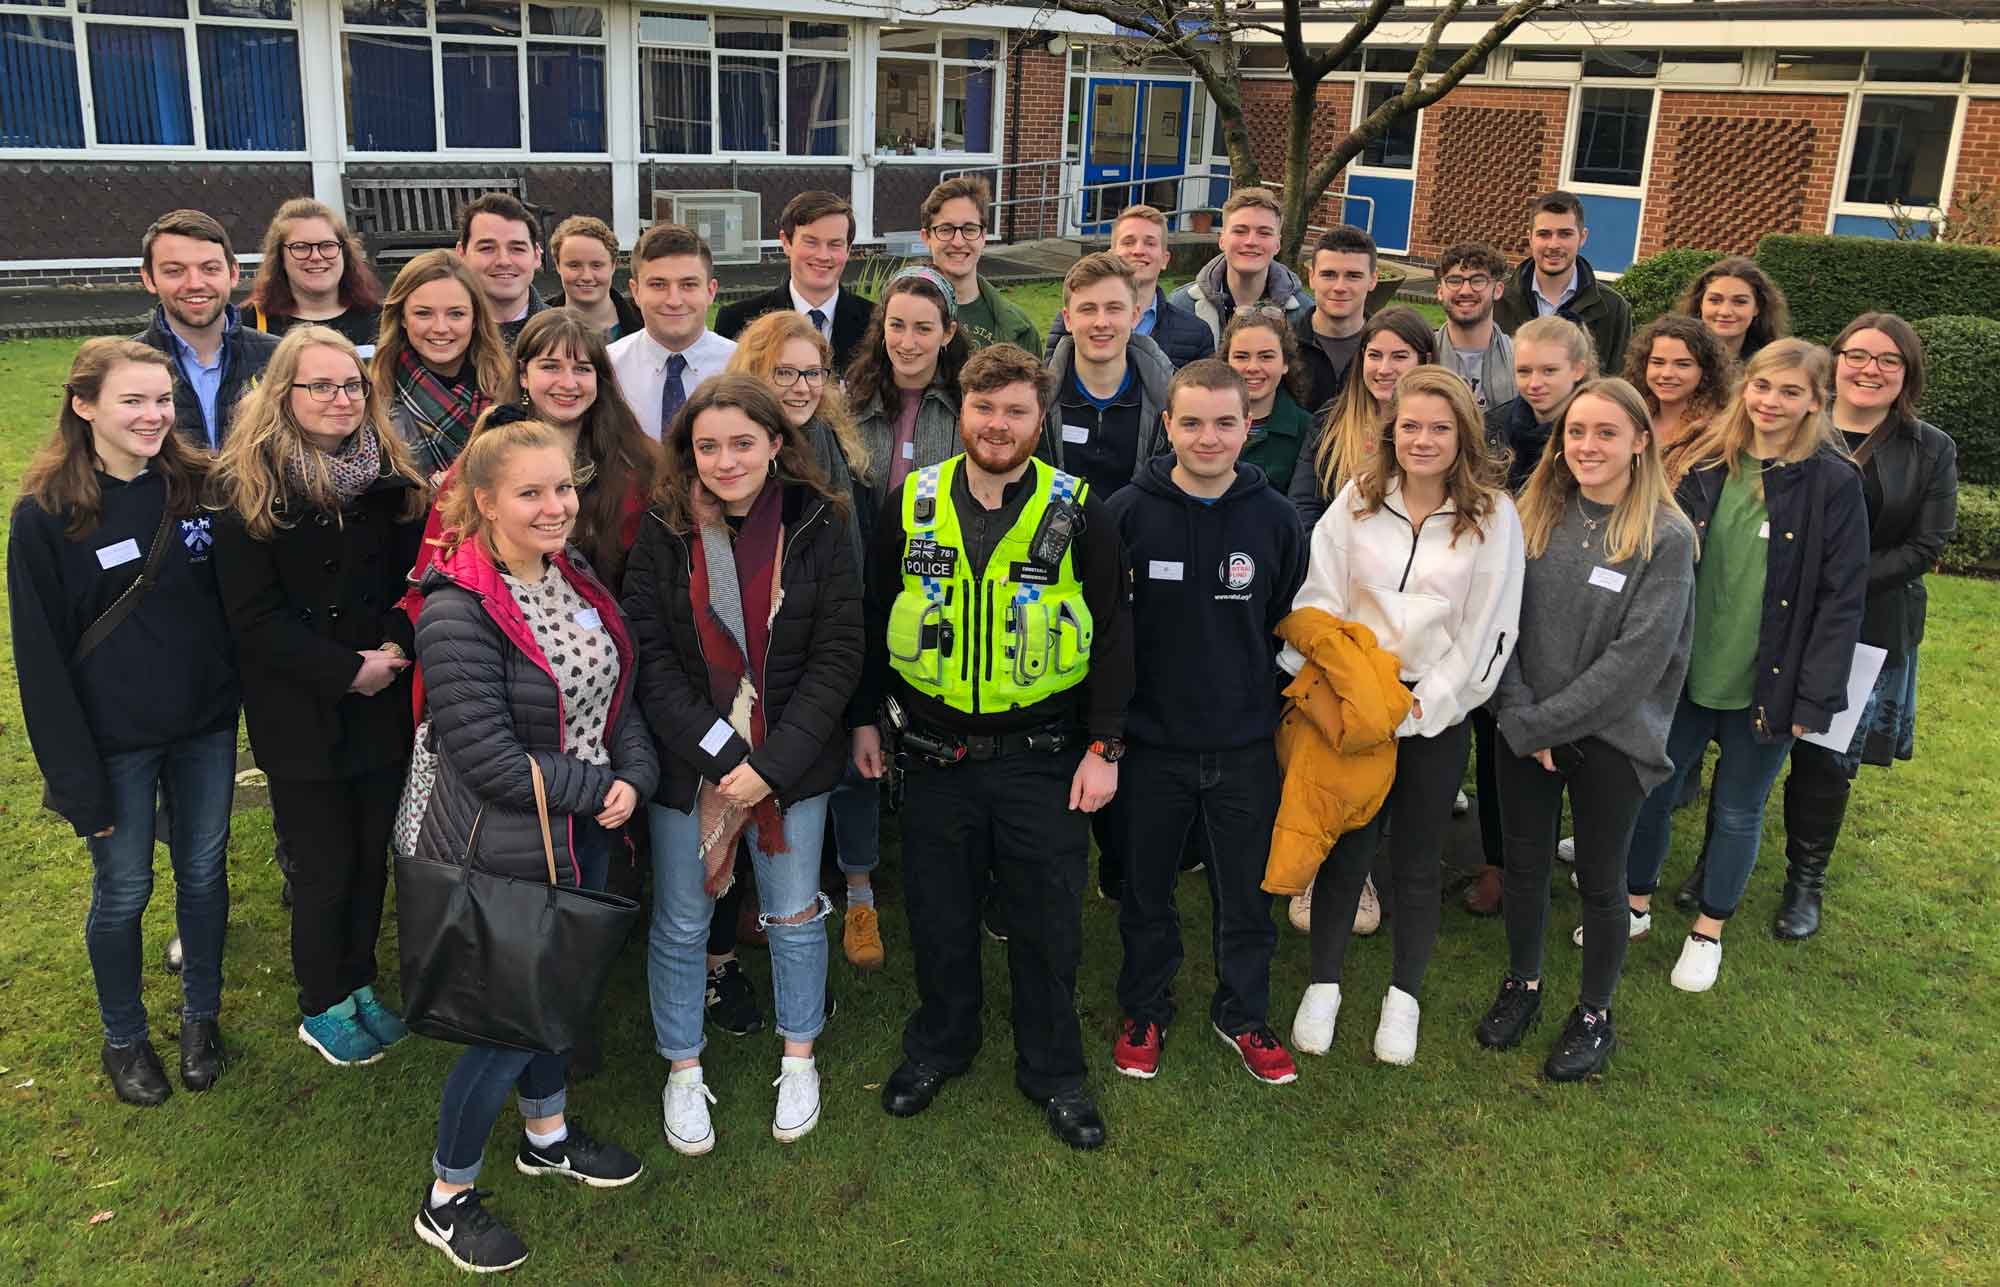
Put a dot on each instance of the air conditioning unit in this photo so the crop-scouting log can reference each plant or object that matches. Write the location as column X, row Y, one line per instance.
column 729, row 220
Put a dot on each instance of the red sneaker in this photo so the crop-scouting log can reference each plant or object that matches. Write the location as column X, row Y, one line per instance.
column 1263, row 1055
column 1136, row 1053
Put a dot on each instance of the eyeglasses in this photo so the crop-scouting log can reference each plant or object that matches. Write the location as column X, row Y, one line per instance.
column 958, row 231
column 323, row 390
column 303, row 250
column 1858, row 360
column 1480, row 282
column 787, row 376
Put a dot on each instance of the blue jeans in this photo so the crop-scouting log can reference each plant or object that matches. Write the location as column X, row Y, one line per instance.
column 1744, row 775
column 475, row 1090
column 198, row 778
column 856, row 805
column 676, row 952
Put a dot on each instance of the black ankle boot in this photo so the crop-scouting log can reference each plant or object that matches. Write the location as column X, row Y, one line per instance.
column 1815, row 806
column 1688, row 896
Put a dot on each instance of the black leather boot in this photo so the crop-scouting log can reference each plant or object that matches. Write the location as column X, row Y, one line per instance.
column 1815, row 806
column 1688, row 897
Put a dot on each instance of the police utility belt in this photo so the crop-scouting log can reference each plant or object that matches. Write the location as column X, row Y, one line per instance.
column 942, row 748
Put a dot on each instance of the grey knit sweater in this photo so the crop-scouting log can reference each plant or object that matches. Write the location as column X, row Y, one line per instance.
column 1603, row 647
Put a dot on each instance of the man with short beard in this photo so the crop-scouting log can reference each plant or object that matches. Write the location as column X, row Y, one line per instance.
column 186, row 263
column 1000, row 653
column 1471, row 277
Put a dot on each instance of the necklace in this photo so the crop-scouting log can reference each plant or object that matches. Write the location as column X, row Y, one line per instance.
column 1590, row 524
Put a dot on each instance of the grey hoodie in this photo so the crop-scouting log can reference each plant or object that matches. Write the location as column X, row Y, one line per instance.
column 1496, row 368
column 1208, row 298
column 1154, row 371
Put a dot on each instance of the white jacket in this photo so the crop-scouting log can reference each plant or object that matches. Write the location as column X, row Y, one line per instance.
column 1448, row 612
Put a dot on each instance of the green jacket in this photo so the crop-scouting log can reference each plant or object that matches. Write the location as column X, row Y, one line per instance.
column 1274, row 445
column 994, row 319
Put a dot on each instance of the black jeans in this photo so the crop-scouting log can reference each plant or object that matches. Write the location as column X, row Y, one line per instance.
column 1009, row 817
column 1233, row 797
column 1428, row 771
column 338, row 835
column 1486, row 785
column 1604, row 800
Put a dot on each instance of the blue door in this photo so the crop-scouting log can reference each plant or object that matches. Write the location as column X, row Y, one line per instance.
column 1135, row 141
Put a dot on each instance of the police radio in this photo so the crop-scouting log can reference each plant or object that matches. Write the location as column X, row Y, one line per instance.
column 1059, row 526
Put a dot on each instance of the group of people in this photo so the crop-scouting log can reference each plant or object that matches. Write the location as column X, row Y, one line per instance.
column 1237, row 579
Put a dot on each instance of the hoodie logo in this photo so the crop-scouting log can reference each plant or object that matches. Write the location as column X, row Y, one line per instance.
column 1238, row 570
column 198, row 536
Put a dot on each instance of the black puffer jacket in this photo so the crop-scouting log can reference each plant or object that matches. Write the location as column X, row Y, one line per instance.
column 812, row 667
column 494, row 704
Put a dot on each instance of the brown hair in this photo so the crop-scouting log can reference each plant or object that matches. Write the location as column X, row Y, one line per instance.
column 1774, row 313
column 1343, row 239
column 998, row 365
column 1476, row 255
column 1635, row 523
column 666, row 240
column 1252, row 198
column 1100, row 267
column 185, row 223
column 478, row 468
column 1710, row 393
column 62, row 478
column 812, row 206
column 493, row 369
column 1476, row 477
column 584, row 226
column 503, row 204
column 1268, row 317
column 869, row 375
column 1904, row 337
column 757, row 350
column 271, row 293
column 680, row 496
column 1348, row 435
column 1556, row 202
column 1725, row 438
column 1211, row 373
column 969, row 186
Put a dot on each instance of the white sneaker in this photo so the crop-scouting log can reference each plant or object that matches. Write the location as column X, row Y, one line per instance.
column 1312, row 1026
column 798, row 1099
column 1566, row 849
column 684, row 1105
column 1641, row 926
column 1396, row 1035
column 1699, row 964
column 1302, row 911
column 1460, row 803
column 1368, row 912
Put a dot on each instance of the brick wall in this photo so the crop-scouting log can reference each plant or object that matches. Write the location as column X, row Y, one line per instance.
column 1037, row 113
column 1267, row 112
column 101, row 209
column 1484, row 153
column 1979, row 150
column 1730, row 167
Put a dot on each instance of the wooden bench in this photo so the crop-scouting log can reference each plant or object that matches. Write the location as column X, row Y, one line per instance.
column 418, row 214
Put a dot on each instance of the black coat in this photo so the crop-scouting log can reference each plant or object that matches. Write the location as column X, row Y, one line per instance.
column 1514, row 428
column 494, row 705
column 1914, row 470
column 1815, row 575
column 851, row 313
column 630, row 320
column 1181, row 335
column 811, row 669
column 302, row 606
column 1323, row 383
column 245, row 353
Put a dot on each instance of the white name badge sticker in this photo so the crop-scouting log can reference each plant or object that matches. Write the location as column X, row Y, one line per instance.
column 1606, row 579
column 1076, row 433
column 1161, row 570
column 715, row 739
column 909, row 451
column 364, row 351
column 590, row 619
column 112, row 556
column 1764, row 532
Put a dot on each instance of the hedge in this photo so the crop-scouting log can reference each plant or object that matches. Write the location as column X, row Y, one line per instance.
column 1962, row 390
column 1976, row 547
column 1831, row 280
column 1653, row 284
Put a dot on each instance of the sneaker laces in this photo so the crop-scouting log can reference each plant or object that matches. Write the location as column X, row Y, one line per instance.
column 1261, row 1037
column 471, row 1216
column 1136, row 1031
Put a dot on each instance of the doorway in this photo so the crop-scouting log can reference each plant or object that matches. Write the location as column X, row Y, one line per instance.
column 1136, row 140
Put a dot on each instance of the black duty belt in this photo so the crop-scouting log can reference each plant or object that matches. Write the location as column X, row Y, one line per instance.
column 941, row 747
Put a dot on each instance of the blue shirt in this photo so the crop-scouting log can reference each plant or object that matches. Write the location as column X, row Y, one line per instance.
column 206, row 381
column 1543, row 304
column 1144, row 326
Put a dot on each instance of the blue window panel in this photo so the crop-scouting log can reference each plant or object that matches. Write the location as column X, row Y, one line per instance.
column 139, row 81
column 39, row 102
column 1393, row 197
column 565, row 98
column 748, row 91
column 482, row 97
column 389, row 105
column 1848, row 225
column 250, row 97
column 1614, row 232
column 137, row 8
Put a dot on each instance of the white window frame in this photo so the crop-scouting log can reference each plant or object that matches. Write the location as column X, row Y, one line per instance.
column 1948, row 181
column 441, row 144
column 936, row 59
column 1572, row 137
column 780, row 57
column 80, row 22
column 1360, row 114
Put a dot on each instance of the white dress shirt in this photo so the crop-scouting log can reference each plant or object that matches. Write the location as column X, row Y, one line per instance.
column 639, row 363
column 804, row 306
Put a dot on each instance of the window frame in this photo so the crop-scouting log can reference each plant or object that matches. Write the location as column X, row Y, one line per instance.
column 1573, row 136
column 189, row 27
column 1957, row 95
column 939, row 62
column 781, row 58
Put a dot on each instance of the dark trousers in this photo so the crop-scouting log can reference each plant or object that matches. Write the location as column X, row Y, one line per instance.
column 1604, row 800
column 1486, row 786
column 338, row 834
column 1232, row 798
column 1009, row 817
column 1428, row 770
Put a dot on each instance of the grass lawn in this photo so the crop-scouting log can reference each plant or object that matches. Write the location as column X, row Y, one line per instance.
column 1826, row 1114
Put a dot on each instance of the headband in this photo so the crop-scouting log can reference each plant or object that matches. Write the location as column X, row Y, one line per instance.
column 937, row 279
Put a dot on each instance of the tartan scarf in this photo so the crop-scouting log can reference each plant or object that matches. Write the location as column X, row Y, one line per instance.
column 444, row 414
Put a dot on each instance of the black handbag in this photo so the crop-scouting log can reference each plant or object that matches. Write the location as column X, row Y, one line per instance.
column 491, row 960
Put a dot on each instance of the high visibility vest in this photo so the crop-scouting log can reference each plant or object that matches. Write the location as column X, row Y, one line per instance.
column 1016, row 636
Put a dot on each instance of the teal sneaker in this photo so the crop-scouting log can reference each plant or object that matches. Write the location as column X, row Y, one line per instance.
column 336, row 1035
column 378, row 1020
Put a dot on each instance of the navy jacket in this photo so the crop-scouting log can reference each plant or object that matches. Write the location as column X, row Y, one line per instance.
column 245, row 352
column 1513, row 427
column 1179, row 333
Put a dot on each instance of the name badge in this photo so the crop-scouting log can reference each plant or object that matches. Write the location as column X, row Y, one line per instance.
column 1161, row 570
column 112, row 556
column 1764, row 532
column 926, row 557
column 590, row 619
column 910, row 450
column 364, row 351
column 1031, row 574
column 1076, row 433
column 716, row 738
column 1606, row 579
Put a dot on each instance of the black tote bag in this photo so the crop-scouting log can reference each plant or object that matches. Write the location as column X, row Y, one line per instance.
column 491, row 960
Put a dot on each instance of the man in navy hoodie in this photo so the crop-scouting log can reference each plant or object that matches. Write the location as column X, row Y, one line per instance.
column 1216, row 556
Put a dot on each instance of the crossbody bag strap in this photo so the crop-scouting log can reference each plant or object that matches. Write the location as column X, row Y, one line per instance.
column 122, row 606
column 542, row 813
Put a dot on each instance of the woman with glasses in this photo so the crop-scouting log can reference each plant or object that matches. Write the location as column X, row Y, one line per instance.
column 313, row 269
column 439, row 362
column 321, row 510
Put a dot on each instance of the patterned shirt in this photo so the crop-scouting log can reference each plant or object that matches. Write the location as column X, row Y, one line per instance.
column 580, row 651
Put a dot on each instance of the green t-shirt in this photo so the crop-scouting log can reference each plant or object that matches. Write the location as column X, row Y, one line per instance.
column 993, row 319
column 1729, row 595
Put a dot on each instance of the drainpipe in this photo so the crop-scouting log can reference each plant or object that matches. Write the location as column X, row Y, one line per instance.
column 1013, row 152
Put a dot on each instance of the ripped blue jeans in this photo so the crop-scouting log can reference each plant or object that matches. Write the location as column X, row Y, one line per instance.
column 676, row 953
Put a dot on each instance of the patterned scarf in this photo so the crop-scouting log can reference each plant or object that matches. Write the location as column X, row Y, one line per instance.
column 351, row 468
column 444, row 414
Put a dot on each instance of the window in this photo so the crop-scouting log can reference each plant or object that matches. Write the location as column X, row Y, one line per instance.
column 233, row 88
column 1622, row 64
column 1611, row 129
column 508, row 75
column 1816, row 64
column 730, row 83
column 1396, row 149
column 1900, row 145
column 1929, row 67
column 935, row 92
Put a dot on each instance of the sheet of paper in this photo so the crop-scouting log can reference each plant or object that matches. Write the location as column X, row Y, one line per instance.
column 1860, row 680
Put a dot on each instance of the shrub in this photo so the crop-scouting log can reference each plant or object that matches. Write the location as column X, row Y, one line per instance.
column 1976, row 547
column 1652, row 284
column 1832, row 280
column 1962, row 390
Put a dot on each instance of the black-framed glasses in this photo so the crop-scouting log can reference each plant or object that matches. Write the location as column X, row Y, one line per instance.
column 1480, row 282
column 1858, row 360
column 787, row 376
column 324, row 390
column 304, row 250
column 958, row 231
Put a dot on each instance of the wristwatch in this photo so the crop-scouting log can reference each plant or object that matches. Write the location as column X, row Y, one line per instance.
column 1109, row 749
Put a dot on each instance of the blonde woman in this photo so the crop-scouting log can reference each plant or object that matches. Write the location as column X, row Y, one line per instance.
column 1586, row 700
column 1396, row 340
column 1779, row 591
column 439, row 360
column 321, row 509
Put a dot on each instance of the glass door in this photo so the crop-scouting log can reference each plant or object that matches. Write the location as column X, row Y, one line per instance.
column 1136, row 148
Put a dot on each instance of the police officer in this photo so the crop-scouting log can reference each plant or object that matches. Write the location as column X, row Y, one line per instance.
column 999, row 649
